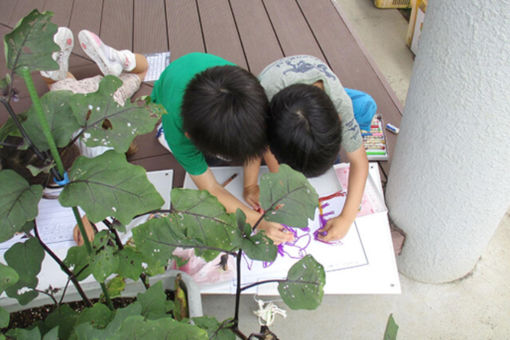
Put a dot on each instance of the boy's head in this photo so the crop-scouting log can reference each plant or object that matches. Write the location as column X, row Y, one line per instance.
column 304, row 129
column 224, row 111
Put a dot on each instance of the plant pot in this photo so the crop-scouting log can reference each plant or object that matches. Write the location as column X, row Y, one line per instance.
column 93, row 290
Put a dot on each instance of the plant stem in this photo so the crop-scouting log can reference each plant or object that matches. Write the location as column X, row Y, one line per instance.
column 119, row 244
column 260, row 282
column 42, row 119
column 275, row 280
column 48, row 294
column 238, row 288
column 64, row 268
column 240, row 334
column 88, row 246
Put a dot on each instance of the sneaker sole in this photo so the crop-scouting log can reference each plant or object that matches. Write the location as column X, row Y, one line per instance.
column 91, row 45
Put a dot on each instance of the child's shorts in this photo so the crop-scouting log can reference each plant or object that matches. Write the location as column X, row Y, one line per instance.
column 131, row 84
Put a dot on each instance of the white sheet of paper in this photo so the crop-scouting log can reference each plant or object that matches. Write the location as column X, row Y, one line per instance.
column 157, row 64
column 363, row 263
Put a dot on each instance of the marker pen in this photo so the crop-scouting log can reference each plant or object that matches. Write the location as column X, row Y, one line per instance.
column 392, row 128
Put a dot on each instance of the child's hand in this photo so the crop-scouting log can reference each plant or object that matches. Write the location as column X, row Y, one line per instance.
column 335, row 229
column 276, row 232
column 251, row 195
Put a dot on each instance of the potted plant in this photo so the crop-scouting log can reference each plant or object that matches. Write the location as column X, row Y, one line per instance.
column 107, row 186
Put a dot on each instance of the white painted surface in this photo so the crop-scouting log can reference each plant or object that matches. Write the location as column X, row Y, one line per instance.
column 449, row 180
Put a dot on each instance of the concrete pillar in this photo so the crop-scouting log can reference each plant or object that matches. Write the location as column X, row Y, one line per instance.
column 449, row 183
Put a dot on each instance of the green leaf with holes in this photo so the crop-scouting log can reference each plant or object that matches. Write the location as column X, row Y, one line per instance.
column 130, row 263
column 18, row 203
column 256, row 246
column 108, row 185
column 31, row 43
column 303, row 288
column 104, row 264
column 25, row 258
column 78, row 260
column 204, row 221
column 287, row 197
column 125, row 122
column 60, row 119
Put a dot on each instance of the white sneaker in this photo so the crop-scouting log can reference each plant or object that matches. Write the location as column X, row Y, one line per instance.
column 108, row 59
column 65, row 40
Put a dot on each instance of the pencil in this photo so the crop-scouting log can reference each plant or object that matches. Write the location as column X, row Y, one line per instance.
column 228, row 180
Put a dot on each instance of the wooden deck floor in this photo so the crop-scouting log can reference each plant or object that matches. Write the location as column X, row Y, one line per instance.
column 250, row 33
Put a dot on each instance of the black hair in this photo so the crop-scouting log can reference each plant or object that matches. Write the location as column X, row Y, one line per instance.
column 224, row 111
column 304, row 129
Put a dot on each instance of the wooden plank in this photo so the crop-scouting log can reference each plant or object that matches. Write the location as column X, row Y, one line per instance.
column 184, row 30
column 6, row 9
column 291, row 28
column 348, row 60
column 149, row 26
column 23, row 7
column 220, row 31
column 257, row 35
column 61, row 10
column 85, row 15
column 117, row 24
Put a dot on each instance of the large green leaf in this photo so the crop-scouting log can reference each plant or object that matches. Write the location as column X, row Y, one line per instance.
column 303, row 288
column 203, row 219
column 31, row 43
column 136, row 327
column 212, row 326
column 287, row 197
column 18, row 203
column 24, row 334
column 108, row 185
column 130, row 263
column 78, row 260
column 87, row 331
column 154, row 302
column 64, row 317
column 256, row 246
column 25, row 259
column 98, row 316
column 60, row 119
column 104, row 264
column 8, row 277
column 127, row 121
column 156, row 240
column 52, row 334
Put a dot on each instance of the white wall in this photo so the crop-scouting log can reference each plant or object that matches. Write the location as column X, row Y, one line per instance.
column 449, row 183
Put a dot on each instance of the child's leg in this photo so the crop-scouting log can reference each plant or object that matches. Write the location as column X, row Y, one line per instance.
column 141, row 66
column 64, row 39
column 108, row 59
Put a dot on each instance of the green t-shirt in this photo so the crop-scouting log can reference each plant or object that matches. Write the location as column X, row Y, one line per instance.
column 169, row 92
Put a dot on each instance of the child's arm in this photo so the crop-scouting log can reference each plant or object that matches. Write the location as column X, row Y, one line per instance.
column 337, row 227
column 251, row 191
column 207, row 181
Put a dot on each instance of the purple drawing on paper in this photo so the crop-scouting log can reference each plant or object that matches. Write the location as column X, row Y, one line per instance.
column 303, row 237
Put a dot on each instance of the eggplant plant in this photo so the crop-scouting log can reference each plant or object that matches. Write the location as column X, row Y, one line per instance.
column 108, row 186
